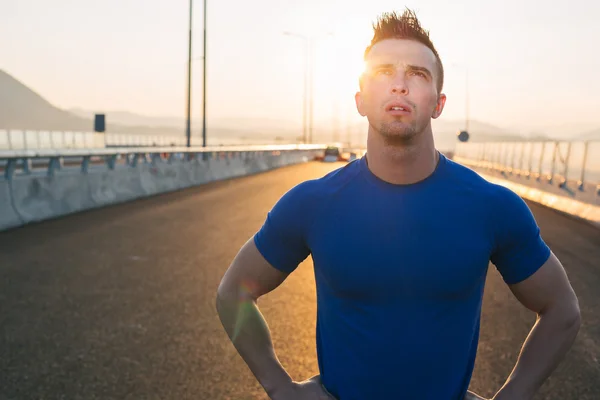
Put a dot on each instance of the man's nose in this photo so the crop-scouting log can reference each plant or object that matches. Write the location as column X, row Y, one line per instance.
column 399, row 86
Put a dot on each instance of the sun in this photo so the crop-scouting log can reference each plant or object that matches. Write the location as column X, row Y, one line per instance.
column 335, row 68
column 341, row 57
column 338, row 61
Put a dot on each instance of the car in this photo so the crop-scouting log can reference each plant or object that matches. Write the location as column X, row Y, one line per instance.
column 333, row 154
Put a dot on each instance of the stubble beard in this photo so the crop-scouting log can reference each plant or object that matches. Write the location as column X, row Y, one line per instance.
column 398, row 133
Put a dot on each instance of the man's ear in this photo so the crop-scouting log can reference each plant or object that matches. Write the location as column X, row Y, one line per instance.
column 358, row 98
column 439, row 107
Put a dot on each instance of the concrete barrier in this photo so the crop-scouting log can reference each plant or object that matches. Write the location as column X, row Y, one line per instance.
column 39, row 196
column 8, row 216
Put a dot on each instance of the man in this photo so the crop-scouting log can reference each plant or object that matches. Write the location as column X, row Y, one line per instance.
column 400, row 281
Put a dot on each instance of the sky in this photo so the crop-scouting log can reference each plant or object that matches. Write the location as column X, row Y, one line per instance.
column 531, row 65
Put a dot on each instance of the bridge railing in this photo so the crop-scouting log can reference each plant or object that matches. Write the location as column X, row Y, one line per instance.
column 574, row 165
column 50, row 161
column 46, row 139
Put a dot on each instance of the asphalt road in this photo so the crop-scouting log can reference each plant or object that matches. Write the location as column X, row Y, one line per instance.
column 118, row 303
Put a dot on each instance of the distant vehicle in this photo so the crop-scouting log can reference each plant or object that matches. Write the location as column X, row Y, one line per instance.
column 333, row 154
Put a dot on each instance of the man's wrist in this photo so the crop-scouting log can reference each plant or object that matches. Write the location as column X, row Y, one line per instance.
column 279, row 384
column 510, row 392
column 473, row 396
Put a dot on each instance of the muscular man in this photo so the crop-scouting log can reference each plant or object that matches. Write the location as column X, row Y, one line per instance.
column 401, row 241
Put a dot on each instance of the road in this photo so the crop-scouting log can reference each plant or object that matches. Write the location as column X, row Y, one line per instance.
column 118, row 303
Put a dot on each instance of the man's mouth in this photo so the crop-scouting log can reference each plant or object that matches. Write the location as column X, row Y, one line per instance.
column 398, row 107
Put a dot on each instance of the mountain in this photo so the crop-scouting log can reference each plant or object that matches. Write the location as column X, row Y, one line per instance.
column 243, row 124
column 566, row 131
column 445, row 133
column 479, row 131
column 592, row 135
column 127, row 118
column 21, row 108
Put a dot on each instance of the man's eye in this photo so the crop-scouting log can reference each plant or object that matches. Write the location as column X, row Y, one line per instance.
column 418, row 73
column 383, row 71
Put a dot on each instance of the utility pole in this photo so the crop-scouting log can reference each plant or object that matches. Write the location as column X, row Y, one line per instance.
column 188, row 131
column 204, row 83
column 310, row 85
column 467, row 97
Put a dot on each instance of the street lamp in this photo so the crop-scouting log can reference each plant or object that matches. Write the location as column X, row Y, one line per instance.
column 204, row 81
column 466, row 68
column 189, row 88
column 307, row 46
column 188, row 129
column 308, row 103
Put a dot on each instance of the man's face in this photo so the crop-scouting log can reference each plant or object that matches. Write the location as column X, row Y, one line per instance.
column 399, row 93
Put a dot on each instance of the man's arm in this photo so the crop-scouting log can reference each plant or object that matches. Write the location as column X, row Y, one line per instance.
column 249, row 277
column 548, row 293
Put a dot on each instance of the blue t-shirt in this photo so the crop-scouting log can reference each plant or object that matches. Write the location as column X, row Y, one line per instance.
column 400, row 272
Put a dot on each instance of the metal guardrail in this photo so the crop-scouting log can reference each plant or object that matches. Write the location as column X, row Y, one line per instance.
column 52, row 160
column 45, row 139
column 551, row 161
column 4, row 154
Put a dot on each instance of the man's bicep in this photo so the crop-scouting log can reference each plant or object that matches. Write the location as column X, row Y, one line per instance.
column 519, row 250
column 548, row 286
column 250, row 274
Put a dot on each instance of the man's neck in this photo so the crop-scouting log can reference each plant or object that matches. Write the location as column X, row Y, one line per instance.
column 402, row 165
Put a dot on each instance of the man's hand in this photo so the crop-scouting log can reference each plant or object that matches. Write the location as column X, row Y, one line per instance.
column 472, row 396
column 310, row 389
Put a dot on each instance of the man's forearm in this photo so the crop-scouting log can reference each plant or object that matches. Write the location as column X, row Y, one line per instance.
column 551, row 337
column 250, row 335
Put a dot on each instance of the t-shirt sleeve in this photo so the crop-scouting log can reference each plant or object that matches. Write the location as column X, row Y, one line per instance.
column 519, row 249
column 282, row 238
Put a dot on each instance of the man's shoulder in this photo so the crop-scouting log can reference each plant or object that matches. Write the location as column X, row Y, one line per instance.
column 322, row 187
column 499, row 201
column 470, row 180
column 294, row 213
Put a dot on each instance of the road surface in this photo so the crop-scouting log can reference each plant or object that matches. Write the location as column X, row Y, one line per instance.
column 119, row 303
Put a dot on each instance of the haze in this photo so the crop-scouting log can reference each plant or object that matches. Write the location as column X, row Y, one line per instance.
column 532, row 64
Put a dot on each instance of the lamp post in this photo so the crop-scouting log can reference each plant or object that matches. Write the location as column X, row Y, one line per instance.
column 307, row 54
column 189, row 84
column 464, row 135
column 204, row 82
column 466, row 68
column 308, row 103
column 188, row 130
column 467, row 98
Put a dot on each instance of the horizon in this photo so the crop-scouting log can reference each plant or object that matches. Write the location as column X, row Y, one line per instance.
column 535, row 77
column 172, row 121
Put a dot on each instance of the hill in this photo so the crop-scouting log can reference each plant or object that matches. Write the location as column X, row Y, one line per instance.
column 21, row 108
column 592, row 135
column 24, row 109
column 126, row 118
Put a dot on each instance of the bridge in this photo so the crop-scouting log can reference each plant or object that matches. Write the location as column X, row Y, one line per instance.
column 117, row 301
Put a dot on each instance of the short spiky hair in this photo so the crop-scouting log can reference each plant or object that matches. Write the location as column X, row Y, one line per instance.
column 390, row 25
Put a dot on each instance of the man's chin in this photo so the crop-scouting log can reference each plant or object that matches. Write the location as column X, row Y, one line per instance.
column 400, row 135
column 399, row 139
